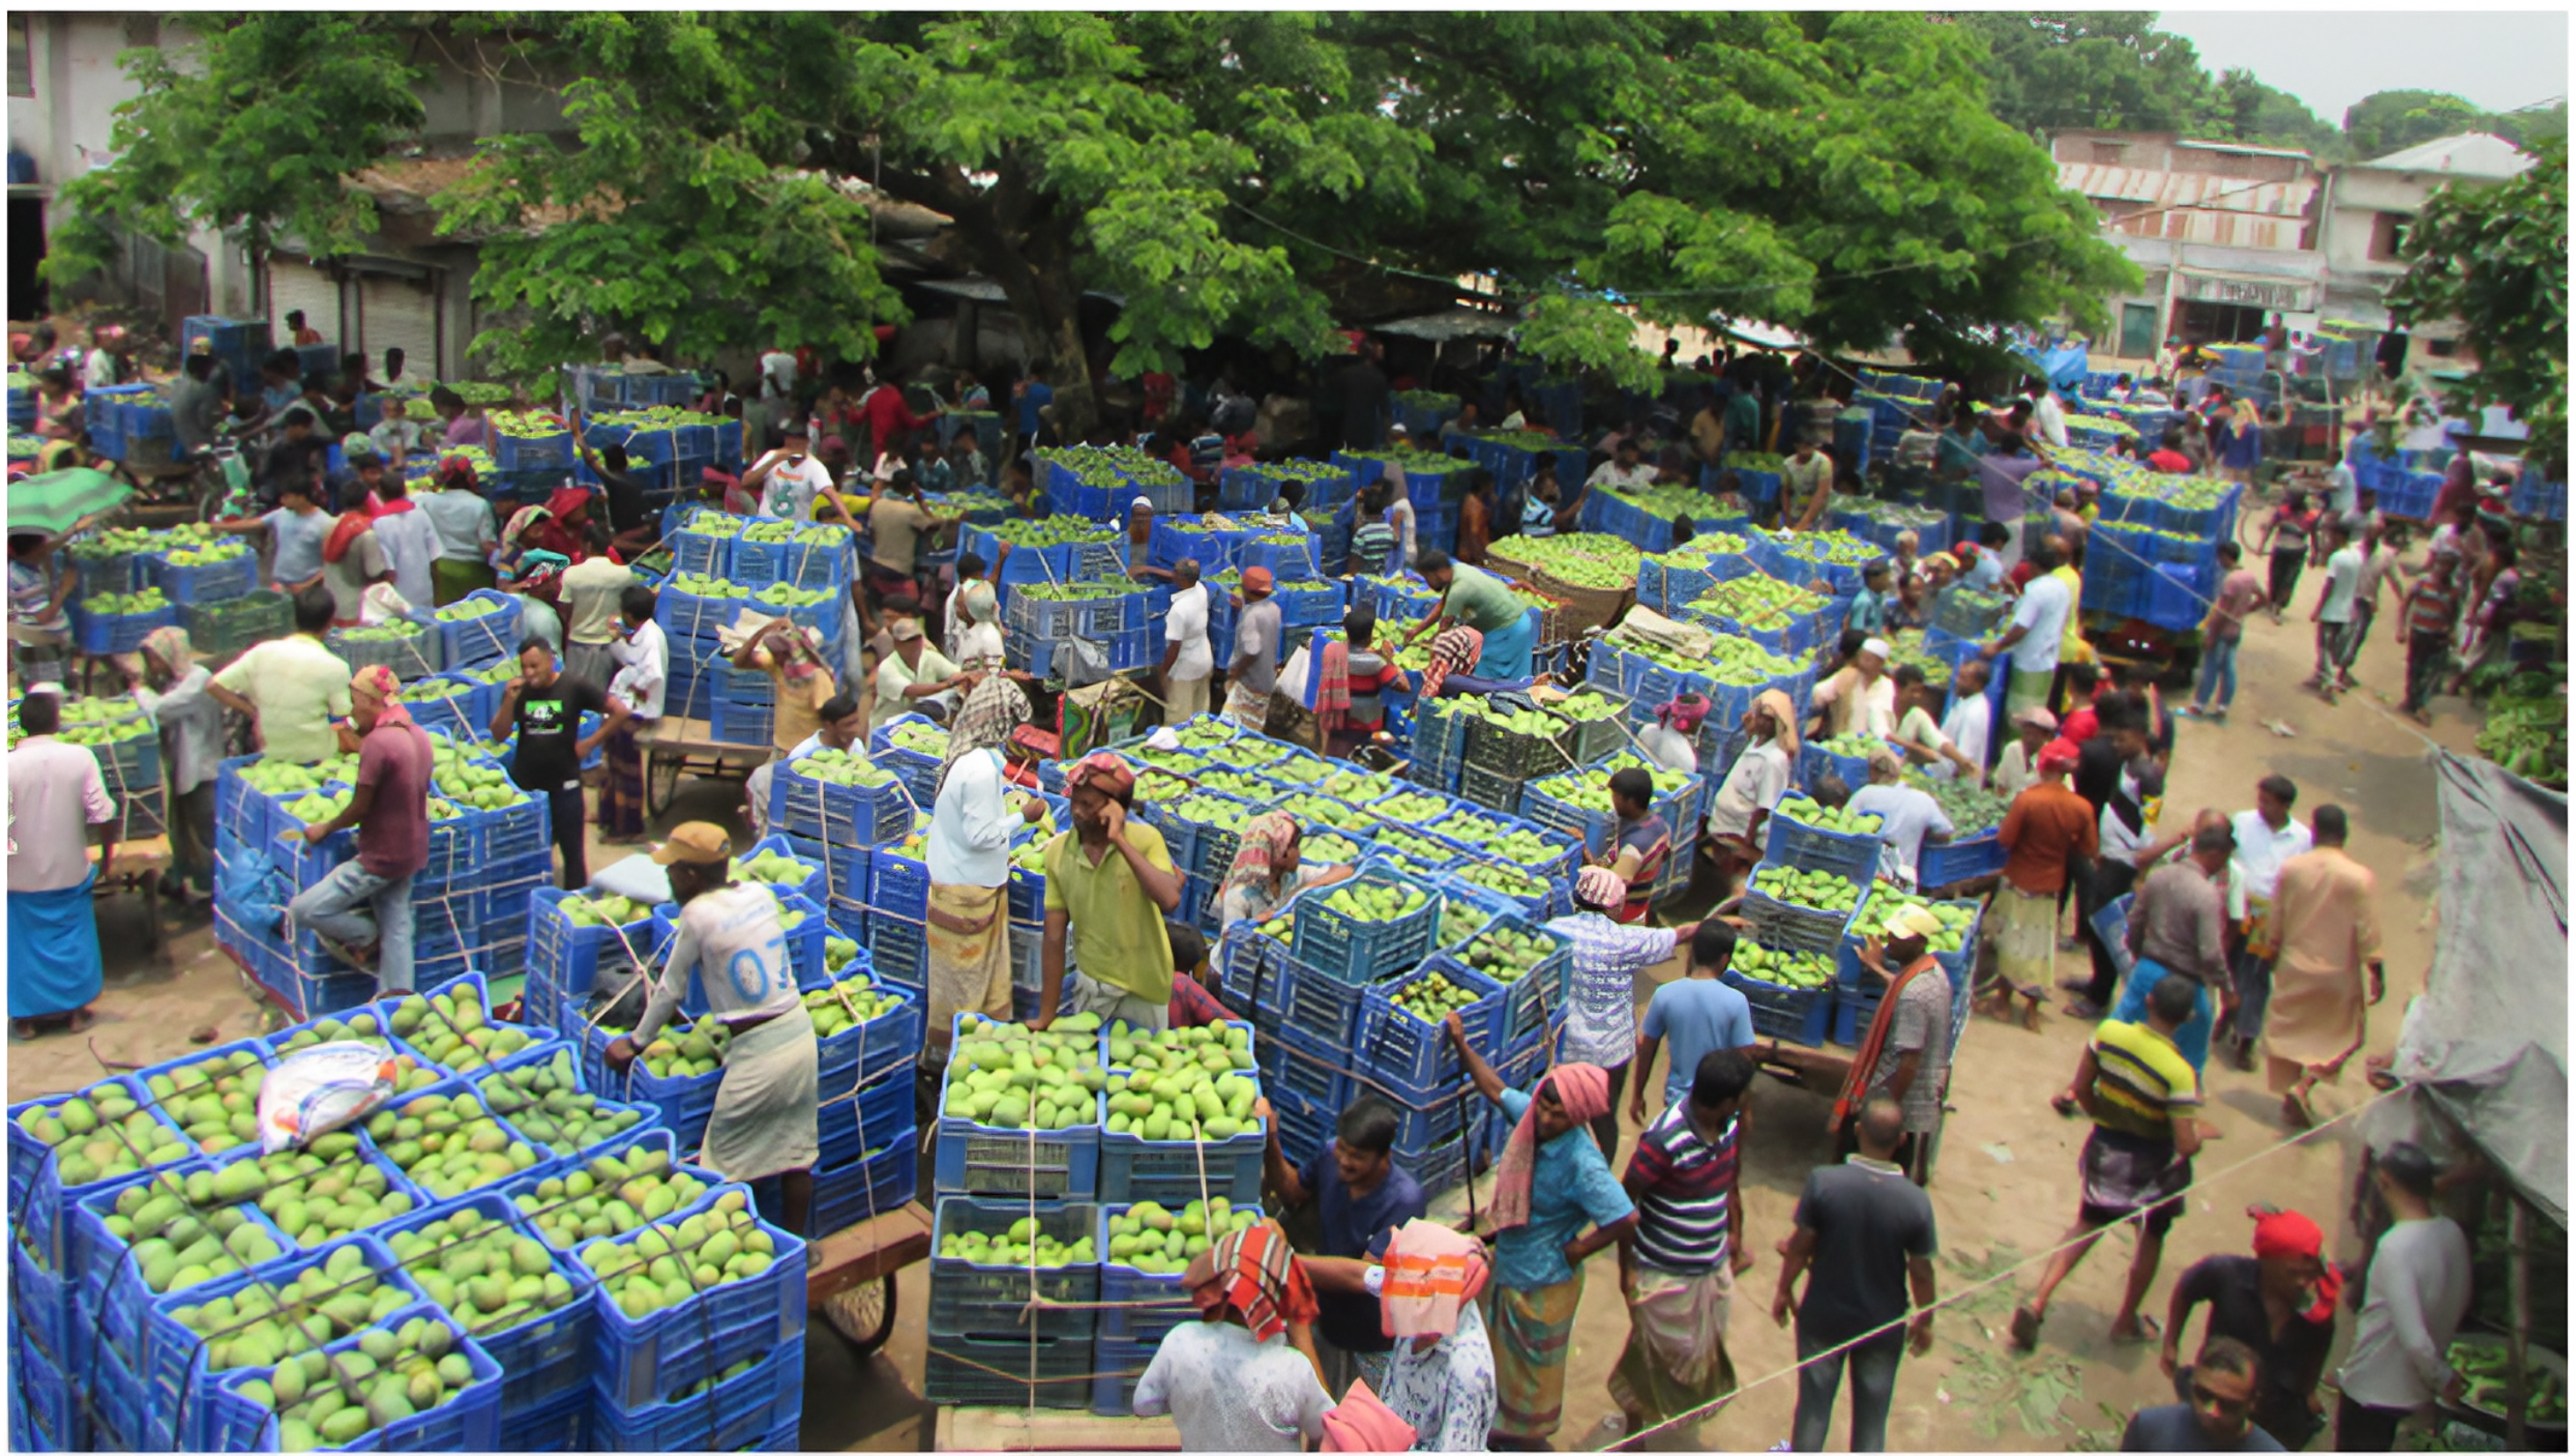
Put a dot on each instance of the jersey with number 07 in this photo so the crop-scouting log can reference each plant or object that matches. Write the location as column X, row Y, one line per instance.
column 731, row 941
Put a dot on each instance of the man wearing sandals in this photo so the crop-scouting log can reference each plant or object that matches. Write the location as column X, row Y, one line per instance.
column 2327, row 921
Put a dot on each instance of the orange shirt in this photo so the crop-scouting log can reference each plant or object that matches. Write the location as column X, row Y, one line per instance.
column 2048, row 826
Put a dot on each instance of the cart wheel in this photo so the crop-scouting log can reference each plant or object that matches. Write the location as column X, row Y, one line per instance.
column 661, row 781
column 863, row 1317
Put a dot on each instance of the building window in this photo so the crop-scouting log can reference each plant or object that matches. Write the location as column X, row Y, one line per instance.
column 22, row 58
column 2442, row 347
column 2136, row 331
column 2387, row 237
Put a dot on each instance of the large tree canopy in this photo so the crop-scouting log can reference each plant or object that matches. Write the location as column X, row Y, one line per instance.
column 2495, row 259
column 1834, row 173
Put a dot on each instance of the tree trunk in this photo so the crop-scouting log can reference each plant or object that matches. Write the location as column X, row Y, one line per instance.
column 1032, row 262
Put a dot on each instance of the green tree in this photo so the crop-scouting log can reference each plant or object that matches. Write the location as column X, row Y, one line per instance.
column 2250, row 110
column 2390, row 120
column 2111, row 70
column 1835, row 173
column 2495, row 259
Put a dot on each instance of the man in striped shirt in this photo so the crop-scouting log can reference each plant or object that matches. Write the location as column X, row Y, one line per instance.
column 2140, row 1092
column 1677, row 1272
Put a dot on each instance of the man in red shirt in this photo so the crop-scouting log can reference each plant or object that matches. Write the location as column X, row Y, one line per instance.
column 2048, row 833
column 390, row 807
column 1192, row 1004
column 2168, row 457
column 889, row 417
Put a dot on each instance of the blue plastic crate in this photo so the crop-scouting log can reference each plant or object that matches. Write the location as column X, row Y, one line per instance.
column 37, row 1196
column 1528, row 1001
column 1332, row 946
column 1312, row 1066
column 900, row 952
column 1137, row 1305
column 1132, row 1170
column 1118, row 1367
column 469, row 642
column 564, row 958
column 641, row 1361
column 1254, row 967
column 100, row 636
column 214, row 582
column 1961, row 861
column 536, row 452
column 1791, row 1013
column 858, row 1124
column 971, row 1298
column 873, row 1047
column 878, row 1184
column 1399, row 1051
column 841, row 814
column 1013, row 1163
column 1803, row 846
column 683, row 1102
column 733, row 1416
column 469, row 1421
column 562, row 1424
column 44, row 1395
column 959, row 1371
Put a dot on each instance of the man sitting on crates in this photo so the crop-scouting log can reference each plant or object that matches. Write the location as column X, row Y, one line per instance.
column 389, row 806
column 836, row 725
column 765, row 1119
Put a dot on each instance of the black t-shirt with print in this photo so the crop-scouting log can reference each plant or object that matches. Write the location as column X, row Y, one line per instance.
column 549, row 725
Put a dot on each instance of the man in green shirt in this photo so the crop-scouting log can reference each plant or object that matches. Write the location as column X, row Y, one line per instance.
column 1110, row 882
column 1472, row 596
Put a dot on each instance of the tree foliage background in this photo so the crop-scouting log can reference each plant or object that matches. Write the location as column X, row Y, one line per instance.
column 1840, row 174
column 2495, row 259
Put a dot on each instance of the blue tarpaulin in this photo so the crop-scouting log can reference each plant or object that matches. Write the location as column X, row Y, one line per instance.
column 2063, row 367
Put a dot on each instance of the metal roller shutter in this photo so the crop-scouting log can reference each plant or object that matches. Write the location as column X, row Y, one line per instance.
column 399, row 313
column 294, row 283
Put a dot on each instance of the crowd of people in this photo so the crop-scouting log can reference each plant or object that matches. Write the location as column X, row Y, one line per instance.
column 2250, row 934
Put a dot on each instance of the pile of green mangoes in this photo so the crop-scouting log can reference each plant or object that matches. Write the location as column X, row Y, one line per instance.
column 260, row 1324
column 1502, row 954
column 1204, row 731
column 597, row 910
column 319, row 809
column 1799, row 809
column 467, row 609
column 1408, row 808
column 1002, row 1074
column 1316, row 809
column 1529, row 722
column 1359, row 901
column 1588, row 788
column 102, row 1133
column 1327, row 847
column 922, row 737
column 786, row 594
column 797, row 533
column 1849, row 745
column 527, row 424
column 694, row 1053
column 1021, row 1246
column 699, row 584
column 1151, row 1239
column 1052, row 531
column 1816, row 890
column 485, row 1273
column 1972, row 601
column 1077, row 591
column 314, row 1195
column 1353, row 786
column 214, row 1101
column 837, row 765
column 475, row 782
column 663, row 1267
column 544, row 1102
column 1796, row 970
column 2487, row 1369
column 434, row 688
column 837, row 951
column 452, row 1028
column 1514, row 846
column 1241, row 754
column 712, row 523
column 1662, row 502
column 125, row 604
column 1240, row 785
column 1177, row 1080
column 1430, row 997
column 504, row 671
column 850, row 1001
column 1907, row 647
column 1196, row 808
column 1761, row 603
column 1955, row 920
column 611, row 1194
column 1588, row 560
column 409, row 1075
column 1587, row 707
column 178, row 1241
column 1508, row 879
column 1419, row 846
column 1459, row 919
column 398, row 630
column 114, row 542
column 396, row 1374
column 1972, row 807
column 770, row 866
column 206, row 555
column 1030, row 855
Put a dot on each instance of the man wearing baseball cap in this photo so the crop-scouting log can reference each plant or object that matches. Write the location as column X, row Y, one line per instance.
column 729, row 941
column 2048, row 834
column 1906, row 1053
column 1253, row 674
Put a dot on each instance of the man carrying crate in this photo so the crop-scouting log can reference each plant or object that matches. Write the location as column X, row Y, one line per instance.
column 767, row 1107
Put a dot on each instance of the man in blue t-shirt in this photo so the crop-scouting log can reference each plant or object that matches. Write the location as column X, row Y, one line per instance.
column 1698, row 1013
column 2219, row 1413
column 1357, row 1193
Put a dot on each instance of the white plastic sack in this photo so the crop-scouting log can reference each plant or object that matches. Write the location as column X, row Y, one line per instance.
column 381, row 604
column 320, row 1090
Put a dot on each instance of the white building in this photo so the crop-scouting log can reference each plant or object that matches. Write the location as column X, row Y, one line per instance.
column 2229, row 234
column 409, row 288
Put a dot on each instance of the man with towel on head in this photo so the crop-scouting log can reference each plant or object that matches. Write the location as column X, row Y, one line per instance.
column 765, row 1124
column 389, row 806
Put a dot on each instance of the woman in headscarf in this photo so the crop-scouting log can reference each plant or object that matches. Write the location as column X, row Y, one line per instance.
column 969, row 857
column 1267, row 870
column 462, row 520
column 1738, row 818
column 1244, row 1376
column 1438, row 1381
column 1552, row 1180
column 532, row 573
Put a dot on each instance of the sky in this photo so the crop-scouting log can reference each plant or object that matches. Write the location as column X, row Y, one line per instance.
column 2499, row 60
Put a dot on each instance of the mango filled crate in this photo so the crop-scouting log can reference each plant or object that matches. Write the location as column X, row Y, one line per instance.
column 988, row 1143
column 991, row 1256
column 1791, row 993
column 1802, row 910
column 1363, row 927
column 1180, row 1121
column 749, row 1298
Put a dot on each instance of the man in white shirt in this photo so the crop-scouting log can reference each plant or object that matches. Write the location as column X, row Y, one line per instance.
column 2342, row 487
column 2049, row 414
column 1969, row 723
column 968, row 854
column 408, row 540
column 55, row 794
column 1919, row 739
column 642, row 655
column 2333, row 614
column 1623, row 470
column 1857, row 699
column 787, row 479
column 2266, row 835
column 2380, row 561
column 2038, row 630
column 1188, row 661
column 1908, row 817
column 778, row 387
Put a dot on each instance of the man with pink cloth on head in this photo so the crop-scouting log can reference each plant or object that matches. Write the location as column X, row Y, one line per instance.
column 389, row 804
column 1437, row 1390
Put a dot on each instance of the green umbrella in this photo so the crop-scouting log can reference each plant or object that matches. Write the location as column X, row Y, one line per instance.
column 52, row 503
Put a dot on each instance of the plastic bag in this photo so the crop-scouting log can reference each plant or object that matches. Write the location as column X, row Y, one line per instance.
column 381, row 604
column 321, row 1089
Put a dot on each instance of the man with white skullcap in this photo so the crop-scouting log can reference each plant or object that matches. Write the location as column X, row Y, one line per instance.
column 1859, row 698
column 1601, row 1026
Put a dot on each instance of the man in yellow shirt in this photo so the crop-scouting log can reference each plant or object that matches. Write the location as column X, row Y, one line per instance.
column 1109, row 885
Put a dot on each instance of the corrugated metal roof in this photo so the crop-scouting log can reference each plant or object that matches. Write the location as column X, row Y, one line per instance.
column 2470, row 154
column 2185, row 188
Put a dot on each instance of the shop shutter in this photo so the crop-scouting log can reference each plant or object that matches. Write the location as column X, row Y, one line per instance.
column 294, row 283
column 400, row 313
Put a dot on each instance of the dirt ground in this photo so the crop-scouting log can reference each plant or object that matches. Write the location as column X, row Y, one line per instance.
column 2005, row 1188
